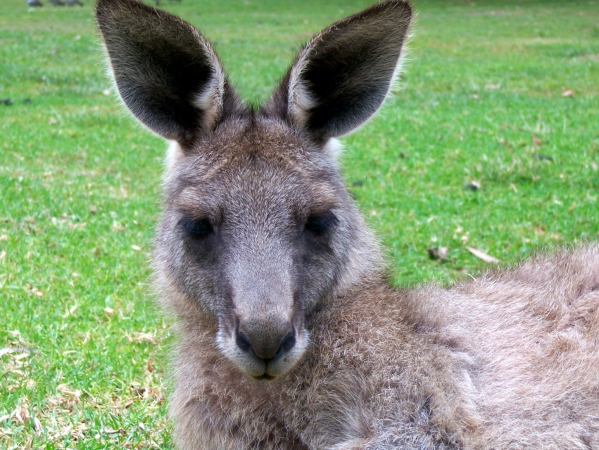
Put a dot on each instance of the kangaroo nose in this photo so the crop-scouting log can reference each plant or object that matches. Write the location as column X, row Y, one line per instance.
column 264, row 342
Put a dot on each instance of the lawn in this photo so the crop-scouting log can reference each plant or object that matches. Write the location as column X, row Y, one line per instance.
column 491, row 141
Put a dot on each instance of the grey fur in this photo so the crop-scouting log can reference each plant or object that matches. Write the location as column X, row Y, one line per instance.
column 290, row 335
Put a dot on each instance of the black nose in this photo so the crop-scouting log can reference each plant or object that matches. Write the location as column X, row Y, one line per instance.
column 263, row 342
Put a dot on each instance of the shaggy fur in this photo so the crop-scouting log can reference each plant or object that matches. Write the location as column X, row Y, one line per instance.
column 509, row 360
column 290, row 335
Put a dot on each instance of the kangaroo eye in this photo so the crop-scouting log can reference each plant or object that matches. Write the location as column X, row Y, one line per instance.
column 197, row 229
column 319, row 223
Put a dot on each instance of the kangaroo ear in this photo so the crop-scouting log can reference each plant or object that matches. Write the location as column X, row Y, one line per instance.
column 342, row 76
column 167, row 74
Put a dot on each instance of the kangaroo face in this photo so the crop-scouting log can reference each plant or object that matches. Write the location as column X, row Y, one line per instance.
column 257, row 228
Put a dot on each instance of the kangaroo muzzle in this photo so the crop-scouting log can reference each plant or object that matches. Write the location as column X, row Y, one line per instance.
column 266, row 340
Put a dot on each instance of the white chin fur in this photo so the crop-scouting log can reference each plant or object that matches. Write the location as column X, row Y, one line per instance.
column 257, row 368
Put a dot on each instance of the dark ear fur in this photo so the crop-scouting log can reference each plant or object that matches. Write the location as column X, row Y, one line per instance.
column 167, row 74
column 342, row 76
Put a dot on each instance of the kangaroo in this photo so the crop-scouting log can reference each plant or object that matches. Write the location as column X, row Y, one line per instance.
column 290, row 335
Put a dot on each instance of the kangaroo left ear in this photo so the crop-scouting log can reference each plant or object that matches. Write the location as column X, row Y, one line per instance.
column 166, row 72
column 342, row 76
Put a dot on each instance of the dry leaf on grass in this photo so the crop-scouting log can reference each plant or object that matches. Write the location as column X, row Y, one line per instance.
column 491, row 86
column 21, row 414
column 472, row 186
column 76, row 393
column 37, row 426
column 35, row 291
column 4, row 351
column 439, row 253
column 138, row 337
column 482, row 255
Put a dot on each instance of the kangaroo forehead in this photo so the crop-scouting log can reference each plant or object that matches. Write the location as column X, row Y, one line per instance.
column 259, row 161
column 251, row 191
column 257, row 149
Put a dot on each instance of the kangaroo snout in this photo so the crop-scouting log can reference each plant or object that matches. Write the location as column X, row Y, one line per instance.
column 265, row 341
column 264, row 333
column 265, row 345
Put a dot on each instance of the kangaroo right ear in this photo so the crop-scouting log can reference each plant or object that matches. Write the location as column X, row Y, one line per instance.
column 167, row 74
column 342, row 76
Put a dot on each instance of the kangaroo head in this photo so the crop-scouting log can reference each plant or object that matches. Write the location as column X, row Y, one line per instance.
column 257, row 229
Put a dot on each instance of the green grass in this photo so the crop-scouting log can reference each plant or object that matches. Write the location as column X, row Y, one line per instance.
column 83, row 350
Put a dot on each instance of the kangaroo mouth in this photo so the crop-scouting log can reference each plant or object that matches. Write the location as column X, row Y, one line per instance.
column 264, row 377
column 234, row 347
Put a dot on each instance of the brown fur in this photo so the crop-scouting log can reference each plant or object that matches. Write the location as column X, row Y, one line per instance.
column 509, row 360
column 290, row 335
